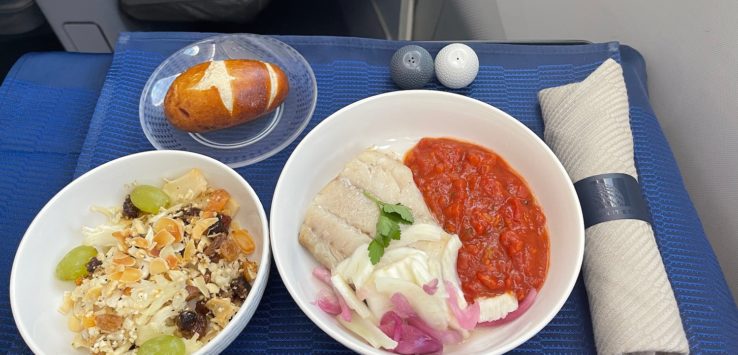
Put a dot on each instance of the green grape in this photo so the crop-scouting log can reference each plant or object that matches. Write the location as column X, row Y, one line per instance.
column 74, row 265
column 148, row 198
column 162, row 345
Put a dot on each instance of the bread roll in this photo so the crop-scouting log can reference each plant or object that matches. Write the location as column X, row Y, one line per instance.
column 224, row 93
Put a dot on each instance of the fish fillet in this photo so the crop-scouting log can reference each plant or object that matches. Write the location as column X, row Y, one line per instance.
column 341, row 217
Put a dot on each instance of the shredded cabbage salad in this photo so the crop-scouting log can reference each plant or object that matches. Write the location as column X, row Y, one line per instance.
column 410, row 302
column 181, row 271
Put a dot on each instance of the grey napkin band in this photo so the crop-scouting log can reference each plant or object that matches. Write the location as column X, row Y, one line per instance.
column 609, row 197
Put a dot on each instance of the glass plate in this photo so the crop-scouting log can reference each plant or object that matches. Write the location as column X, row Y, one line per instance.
column 247, row 143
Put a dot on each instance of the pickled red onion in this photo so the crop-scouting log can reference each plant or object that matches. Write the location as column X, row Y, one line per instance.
column 468, row 317
column 522, row 307
column 431, row 287
column 328, row 302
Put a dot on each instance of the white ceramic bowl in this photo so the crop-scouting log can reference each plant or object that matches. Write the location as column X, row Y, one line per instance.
column 36, row 294
column 396, row 121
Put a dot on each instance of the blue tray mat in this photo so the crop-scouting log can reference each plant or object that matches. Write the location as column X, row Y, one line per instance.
column 348, row 69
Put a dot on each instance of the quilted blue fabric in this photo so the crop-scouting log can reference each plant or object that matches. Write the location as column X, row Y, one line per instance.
column 46, row 103
column 349, row 69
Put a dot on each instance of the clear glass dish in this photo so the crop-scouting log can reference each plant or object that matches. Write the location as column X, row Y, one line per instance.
column 247, row 143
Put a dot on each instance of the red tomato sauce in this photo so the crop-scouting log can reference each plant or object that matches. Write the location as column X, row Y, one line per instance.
column 473, row 193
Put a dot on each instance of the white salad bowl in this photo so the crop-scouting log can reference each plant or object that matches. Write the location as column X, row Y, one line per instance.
column 36, row 294
column 397, row 121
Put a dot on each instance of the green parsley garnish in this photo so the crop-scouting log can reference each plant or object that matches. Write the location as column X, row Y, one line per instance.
column 388, row 226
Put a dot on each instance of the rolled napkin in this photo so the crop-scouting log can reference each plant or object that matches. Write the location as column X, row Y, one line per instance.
column 632, row 304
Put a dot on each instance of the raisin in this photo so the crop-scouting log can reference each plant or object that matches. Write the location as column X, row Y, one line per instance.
column 190, row 323
column 221, row 226
column 211, row 251
column 130, row 211
column 92, row 265
column 240, row 288
column 190, row 212
column 201, row 308
column 192, row 292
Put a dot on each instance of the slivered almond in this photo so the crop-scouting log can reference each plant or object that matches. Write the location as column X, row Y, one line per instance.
column 121, row 237
column 140, row 243
column 123, row 259
column 189, row 251
column 243, row 240
column 158, row 266
column 163, row 238
column 174, row 227
column 127, row 275
column 93, row 293
column 201, row 226
column 172, row 261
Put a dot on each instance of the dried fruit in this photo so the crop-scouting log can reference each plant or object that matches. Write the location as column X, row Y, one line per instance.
column 222, row 309
column 130, row 211
column 190, row 212
column 221, row 226
column 201, row 308
column 243, row 240
column 250, row 270
column 211, row 251
column 192, row 292
column 190, row 323
column 240, row 288
column 108, row 322
column 217, row 200
column 88, row 322
column 229, row 250
column 92, row 265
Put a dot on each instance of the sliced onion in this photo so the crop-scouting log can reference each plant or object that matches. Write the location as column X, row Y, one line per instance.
column 322, row 274
column 391, row 324
column 345, row 311
column 415, row 341
column 431, row 287
column 445, row 336
column 410, row 338
column 402, row 305
column 522, row 307
column 328, row 302
column 468, row 317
